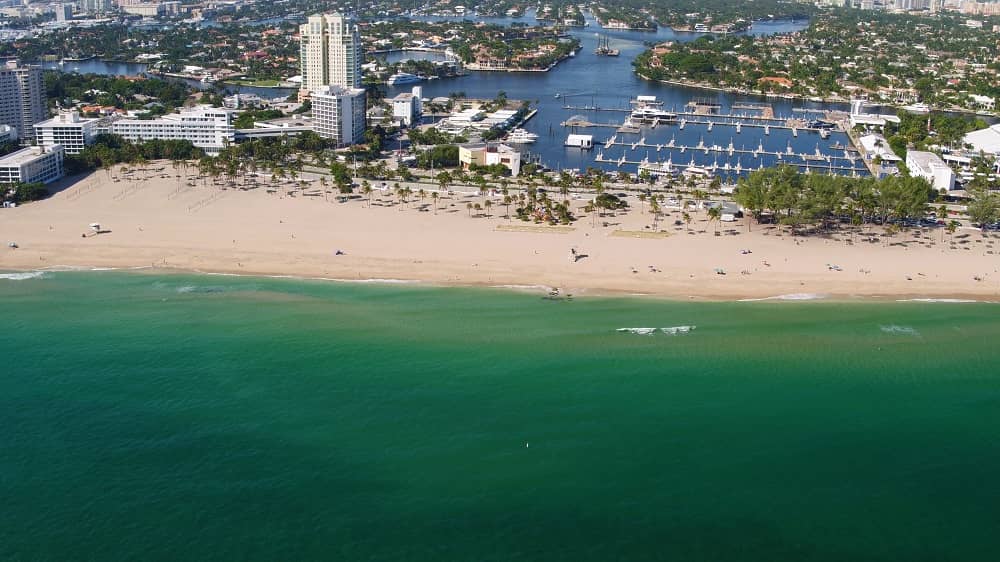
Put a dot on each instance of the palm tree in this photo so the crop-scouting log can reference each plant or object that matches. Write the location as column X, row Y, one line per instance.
column 468, row 207
column 507, row 201
column 444, row 180
column 487, row 204
column 699, row 195
column 714, row 214
column 952, row 226
column 400, row 193
column 687, row 220
column 642, row 201
column 367, row 190
column 434, row 199
column 654, row 209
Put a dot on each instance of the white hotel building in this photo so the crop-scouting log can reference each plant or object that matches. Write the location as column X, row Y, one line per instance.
column 932, row 168
column 32, row 164
column 339, row 114
column 208, row 128
column 68, row 130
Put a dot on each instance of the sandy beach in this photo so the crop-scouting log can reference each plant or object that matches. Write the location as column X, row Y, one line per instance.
column 158, row 220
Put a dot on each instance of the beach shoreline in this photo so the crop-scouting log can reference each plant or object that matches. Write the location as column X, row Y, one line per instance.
column 161, row 222
column 536, row 289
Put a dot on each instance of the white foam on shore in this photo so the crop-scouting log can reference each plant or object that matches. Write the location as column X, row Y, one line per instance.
column 306, row 278
column 373, row 280
column 523, row 287
column 22, row 275
column 674, row 330
column 899, row 330
column 789, row 297
column 938, row 300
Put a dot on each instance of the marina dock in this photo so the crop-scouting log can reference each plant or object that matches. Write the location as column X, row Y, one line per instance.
column 807, row 165
column 700, row 119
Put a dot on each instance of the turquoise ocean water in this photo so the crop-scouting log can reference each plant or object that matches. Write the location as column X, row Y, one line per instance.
column 183, row 417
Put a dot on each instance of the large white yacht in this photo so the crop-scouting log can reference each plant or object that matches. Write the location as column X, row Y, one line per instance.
column 520, row 136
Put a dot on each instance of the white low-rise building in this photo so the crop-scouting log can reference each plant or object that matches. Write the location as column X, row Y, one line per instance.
column 875, row 146
column 407, row 107
column 68, row 130
column 932, row 168
column 985, row 140
column 31, row 165
column 208, row 128
column 339, row 114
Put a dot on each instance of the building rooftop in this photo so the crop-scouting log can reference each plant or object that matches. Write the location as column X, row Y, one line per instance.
column 72, row 118
column 23, row 156
column 924, row 159
column 878, row 146
column 987, row 140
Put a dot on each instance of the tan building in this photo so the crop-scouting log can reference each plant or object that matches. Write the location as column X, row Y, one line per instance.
column 488, row 155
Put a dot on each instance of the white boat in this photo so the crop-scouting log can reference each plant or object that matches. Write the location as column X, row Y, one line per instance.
column 698, row 171
column 658, row 169
column 652, row 114
column 403, row 78
column 520, row 136
column 919, row 108
column 207, row 79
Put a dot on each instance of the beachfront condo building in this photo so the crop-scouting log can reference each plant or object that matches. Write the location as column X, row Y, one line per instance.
column 339, row 114
column 68, row 130
column 22, row 98
column 329, row 53
column 32, row 164
column 208, row 128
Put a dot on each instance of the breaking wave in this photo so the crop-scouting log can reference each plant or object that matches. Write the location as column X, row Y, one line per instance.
column 899, row 330
column 22, row 276
column 672, row 331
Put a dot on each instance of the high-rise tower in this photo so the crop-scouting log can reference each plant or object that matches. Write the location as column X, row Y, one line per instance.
column 22, row 98
column 329, row 52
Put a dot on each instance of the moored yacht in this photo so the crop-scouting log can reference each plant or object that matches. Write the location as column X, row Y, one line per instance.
column 652, row 114
column 919, row 108
column 402, row 78
column 520, row 136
